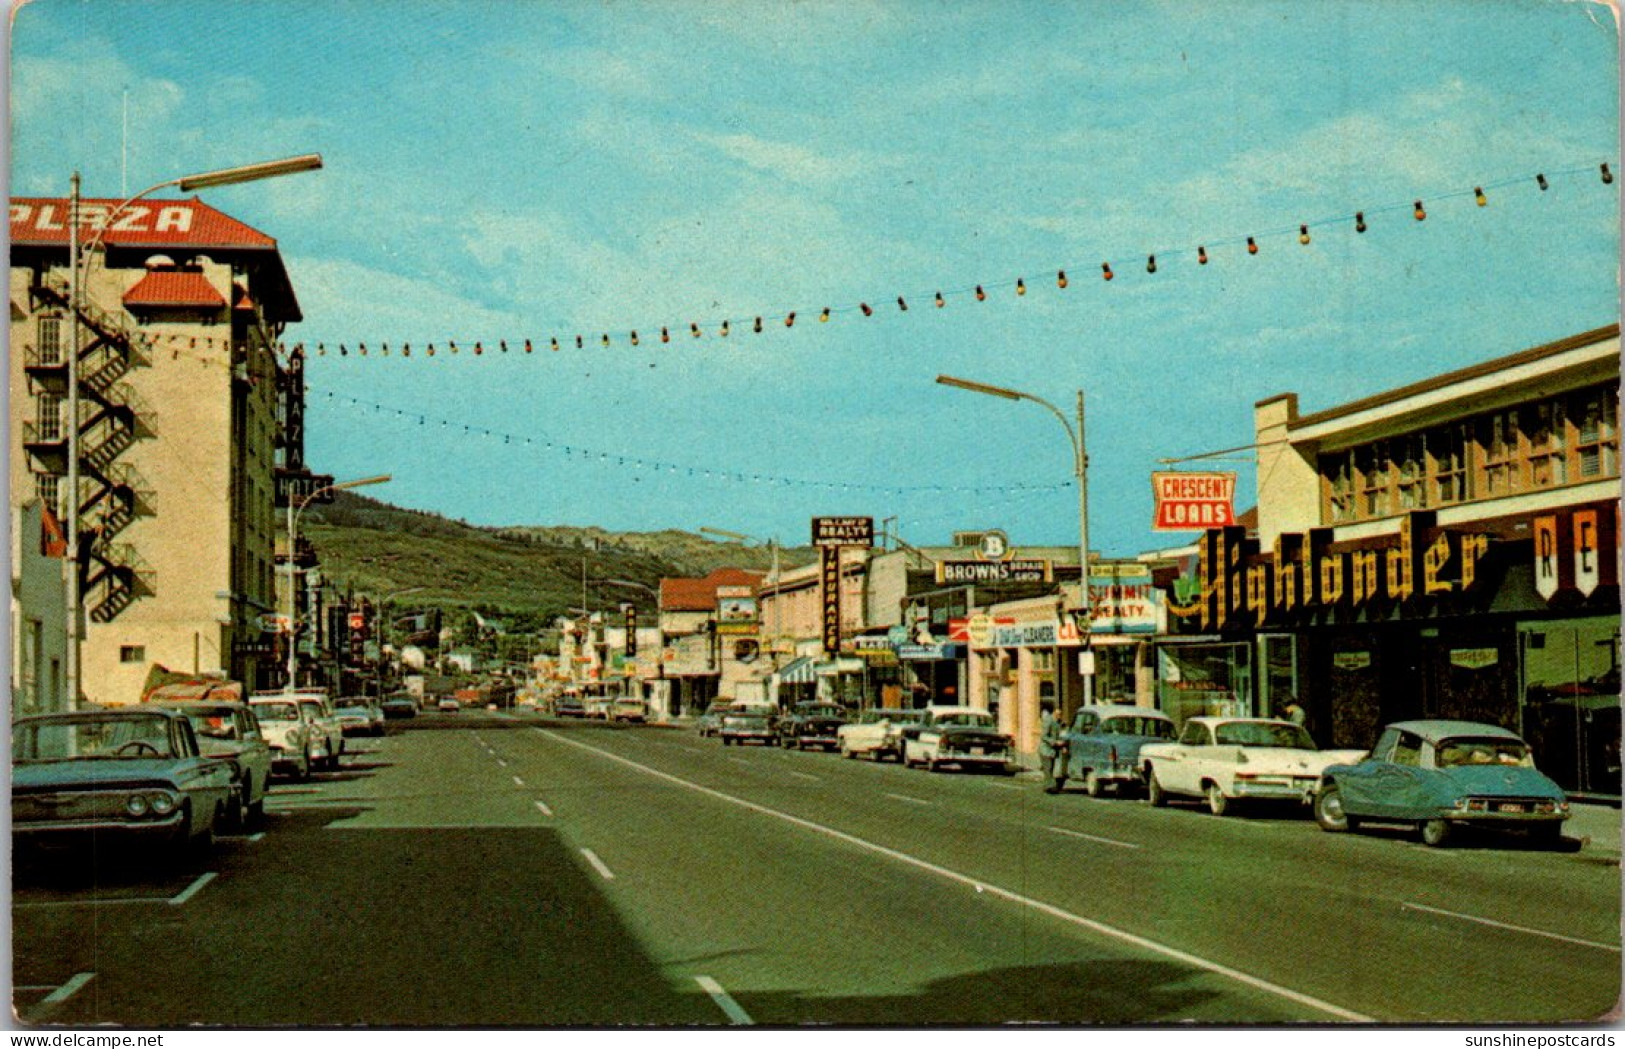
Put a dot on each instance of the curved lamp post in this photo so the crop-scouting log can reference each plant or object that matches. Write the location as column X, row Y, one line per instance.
column 78, row 270
column 293, row 555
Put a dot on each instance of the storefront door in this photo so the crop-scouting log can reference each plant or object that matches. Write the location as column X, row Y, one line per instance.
column 1569, row 701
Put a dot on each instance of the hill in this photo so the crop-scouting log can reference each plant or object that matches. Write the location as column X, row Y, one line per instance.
column 524, row 574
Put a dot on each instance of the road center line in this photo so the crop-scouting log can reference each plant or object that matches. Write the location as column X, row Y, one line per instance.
column 1511, row 928
column 1053, row 911
column 518, row 782
column 905, row 797
column 598, row 864
column 724, row 1000
column 504, row 764
column 737, row 761
column 192, row 890
column 541, row 806
column 1091, row 837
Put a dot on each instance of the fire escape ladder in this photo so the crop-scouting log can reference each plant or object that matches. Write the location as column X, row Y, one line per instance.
column 116, row 576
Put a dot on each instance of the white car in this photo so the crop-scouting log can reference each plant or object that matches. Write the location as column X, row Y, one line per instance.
column 297, row 742
column 961, row 736
column 1226, row 760
column 878, row 732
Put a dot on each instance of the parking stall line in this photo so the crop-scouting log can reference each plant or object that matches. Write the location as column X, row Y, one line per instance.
column 180, row 898
column 738, row 761
column 541, row 806
column 804, row 775
column 518, row 782
column 1407, row 905
column 598, row 865
column 1091, row 837
column 1101, row 928
column 725, row 1002
column 905, row 797
column 68, row 990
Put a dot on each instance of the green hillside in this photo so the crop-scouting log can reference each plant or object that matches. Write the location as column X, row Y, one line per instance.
column 526, row 575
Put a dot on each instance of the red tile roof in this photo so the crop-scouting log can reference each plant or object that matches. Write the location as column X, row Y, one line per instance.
column 174, row 288
column 700, row 595
column 166, row 223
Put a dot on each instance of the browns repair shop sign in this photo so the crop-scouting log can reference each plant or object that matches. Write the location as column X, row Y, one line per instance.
column 1188, row 502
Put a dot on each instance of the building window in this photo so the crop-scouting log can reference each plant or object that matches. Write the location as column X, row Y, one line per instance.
column 50, row 340
column 1373, row 465
column 1543, row 428
column 1410, row 470
column 49, row 413
column 49, row 489
column 1498, row 438
column 1447, row 453
column 1339, row 475
column 1597, row 445
column 132, row 653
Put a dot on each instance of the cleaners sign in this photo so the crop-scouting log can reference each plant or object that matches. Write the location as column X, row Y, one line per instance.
column 1188, row 502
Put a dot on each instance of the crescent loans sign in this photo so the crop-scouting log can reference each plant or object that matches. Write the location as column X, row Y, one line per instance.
column 1187, row 502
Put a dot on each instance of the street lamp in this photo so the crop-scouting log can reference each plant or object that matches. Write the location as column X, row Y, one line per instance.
column 76, row 281
column 293, row 543
column 1080, row 459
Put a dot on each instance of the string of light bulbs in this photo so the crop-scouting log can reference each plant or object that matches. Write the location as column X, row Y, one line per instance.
column 1205, row 251
column 656, row 466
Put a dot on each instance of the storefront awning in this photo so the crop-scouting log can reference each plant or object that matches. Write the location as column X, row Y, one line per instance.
column 798, row 672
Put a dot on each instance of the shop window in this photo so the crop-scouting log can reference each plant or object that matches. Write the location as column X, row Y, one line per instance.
column 1570, row 712
column 1198, row 680
column 1373, row 465
column 1498, row 440
column 1410, row 470
column 1447, row 456
column 1597, row 446
column 1338, row 473
column 1543, row 427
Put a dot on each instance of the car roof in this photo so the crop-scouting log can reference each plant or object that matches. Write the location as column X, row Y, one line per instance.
column 1115, row 709
column 955, row 710
column 1213, row 719
column 1442, row 728
column 144, row 709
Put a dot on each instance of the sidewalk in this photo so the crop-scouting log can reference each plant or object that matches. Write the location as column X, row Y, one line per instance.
column 1596, row 824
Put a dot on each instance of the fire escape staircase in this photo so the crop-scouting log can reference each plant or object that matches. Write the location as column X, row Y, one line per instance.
column 112, row 417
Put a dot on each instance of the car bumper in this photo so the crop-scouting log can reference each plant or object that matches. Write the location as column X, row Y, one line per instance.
column 1300, row 789
column 765, row 737
column 161, row 828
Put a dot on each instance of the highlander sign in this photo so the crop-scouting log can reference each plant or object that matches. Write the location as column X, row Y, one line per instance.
column 1187, row 502
column 1015, row 570
column 843, row 531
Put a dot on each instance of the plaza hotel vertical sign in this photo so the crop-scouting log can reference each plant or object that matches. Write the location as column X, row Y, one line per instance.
column 831, row 535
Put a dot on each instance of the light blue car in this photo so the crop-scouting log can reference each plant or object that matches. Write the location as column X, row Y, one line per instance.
column 1103, row 747
column 1441, row 775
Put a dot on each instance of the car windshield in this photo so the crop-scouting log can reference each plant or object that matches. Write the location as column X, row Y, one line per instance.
column 871, row 717
column 745, row 719
column 128, row 738
column 969, row 718
column 313, row 709
column 1138, row 726
column 1463, row 751
column 277, row 711
column 1264, row 734
column 213, row 724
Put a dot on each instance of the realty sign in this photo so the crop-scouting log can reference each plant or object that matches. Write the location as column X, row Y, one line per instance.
column 1187, row 502
column 843, row 531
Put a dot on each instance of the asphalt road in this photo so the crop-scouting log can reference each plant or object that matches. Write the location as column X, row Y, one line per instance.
column 483, row 869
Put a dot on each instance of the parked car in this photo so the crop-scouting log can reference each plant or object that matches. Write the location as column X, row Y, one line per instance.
column 599, row 706
column 629, row 710
column 231, row 733
column 1227, row 760
column 1103, row 747
column 810, row 725
column 570, row 707
column 745, row 726
column 709, row 722
column 878, row 732
column 399, row 706
column 1442, row 775
column 297, row 742
column 959, row 736
column 134, row 773
column 448, row 704
column 359, row 717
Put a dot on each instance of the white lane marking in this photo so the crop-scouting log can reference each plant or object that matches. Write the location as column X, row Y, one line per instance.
column 598, row 864
column 541, row 806
column 1091, row 837
column 192, row 890
column 518, row 782
column 69, row 989
column 1053, row 911
column 737, row 761
column 905, row 797
column 504, row 764
column 724, row 1000
column 1007, row 786
column 804, row 775
column 1512, row 928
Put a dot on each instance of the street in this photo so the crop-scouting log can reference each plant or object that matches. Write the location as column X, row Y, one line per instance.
column 506, row 869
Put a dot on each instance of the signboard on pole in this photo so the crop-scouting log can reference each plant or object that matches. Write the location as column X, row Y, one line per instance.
column 1123, row 599
column 843, row 531
column 297, row 487
column 1189, row 502
column 1015, row 570
column 631, row 630
column 829, row 577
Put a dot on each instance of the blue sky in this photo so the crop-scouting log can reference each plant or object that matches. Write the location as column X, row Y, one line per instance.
column 504, row 170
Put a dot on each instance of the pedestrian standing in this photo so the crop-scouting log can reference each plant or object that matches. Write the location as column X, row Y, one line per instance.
column 1051, row 748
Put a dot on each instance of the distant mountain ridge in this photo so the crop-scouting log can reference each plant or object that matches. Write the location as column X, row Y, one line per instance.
column 527, row 574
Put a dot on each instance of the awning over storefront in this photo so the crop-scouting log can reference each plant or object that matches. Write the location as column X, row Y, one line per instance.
column 798, row 672
column 841, row 665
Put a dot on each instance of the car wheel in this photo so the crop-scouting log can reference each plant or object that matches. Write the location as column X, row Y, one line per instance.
column 1435, row 833
column 1092, row 785
column 256, row 814
column 1217, row 803
column 848, row 752
column 1329, row 809
column 1154, row 792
